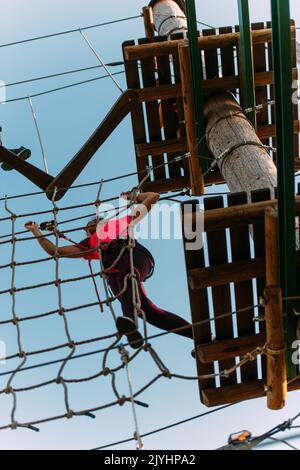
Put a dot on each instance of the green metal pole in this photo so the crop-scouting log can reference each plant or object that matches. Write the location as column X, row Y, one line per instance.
column 246, row 59
column 285, row 164
column 197, row 75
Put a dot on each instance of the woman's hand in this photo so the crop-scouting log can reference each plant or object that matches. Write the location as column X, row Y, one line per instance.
column 127, row 195
column 32, row 227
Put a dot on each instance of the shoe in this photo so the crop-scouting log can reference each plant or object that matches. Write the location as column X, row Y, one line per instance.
column 127, row 327
column 22, row 153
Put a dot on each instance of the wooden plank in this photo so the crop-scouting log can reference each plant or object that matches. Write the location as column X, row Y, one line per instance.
column 261, row 92
column 230, row 348
column 217, row 253
column 137, row 116
column 195, row 171
column 227, row 57
column 211, row 57
column 240, row 392
column 163, row 146
column 264, row 132
column 240, row 251
column 243, row 214
column 237, row 271
column 152, row 109
column 222, row 274
column 198, row 300
column 215, row 84
column 276, row 361
column 166, row 185
column 168, row 109
column 259, row 250
column 205, row 43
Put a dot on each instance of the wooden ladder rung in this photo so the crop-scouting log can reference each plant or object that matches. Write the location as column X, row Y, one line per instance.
column 163, row 186
column 225, row 273
column 162, row 146
column 239, row 392
column 264, row 132
column 229, row 348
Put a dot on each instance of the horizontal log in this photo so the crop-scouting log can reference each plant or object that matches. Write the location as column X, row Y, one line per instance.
column 208, row 86
column 221, row 274
column 162, row 146
column 229, row 348
column 171, row 184
column 239, row 392
column 158, row 49
column 218, row 219
column 264, row 132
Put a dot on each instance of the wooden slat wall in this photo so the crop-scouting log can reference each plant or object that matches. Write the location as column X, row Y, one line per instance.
column 148, row 122
column 152, row 110
column 137, row 116
column 240, row 250
column 198, row 302
column 217, row 252
column 259, row 250
column 170, row 118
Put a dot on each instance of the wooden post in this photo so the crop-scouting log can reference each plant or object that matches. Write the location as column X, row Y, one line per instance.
column 276, row 363
column 189, row 113
column 248, row 167
column 148, row 22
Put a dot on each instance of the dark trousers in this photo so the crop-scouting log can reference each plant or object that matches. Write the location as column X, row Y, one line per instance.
column 154, row 315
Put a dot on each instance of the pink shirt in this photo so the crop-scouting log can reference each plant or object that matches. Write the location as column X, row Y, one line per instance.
column 114, row 228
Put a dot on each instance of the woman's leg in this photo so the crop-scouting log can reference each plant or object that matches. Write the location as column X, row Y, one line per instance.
column 154, row 315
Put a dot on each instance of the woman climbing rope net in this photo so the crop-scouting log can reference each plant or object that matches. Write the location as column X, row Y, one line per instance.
column 114, row 234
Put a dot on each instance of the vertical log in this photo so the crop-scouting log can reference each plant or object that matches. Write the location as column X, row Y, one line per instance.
column 276, row 363
column 169, row 16
column 189, row 112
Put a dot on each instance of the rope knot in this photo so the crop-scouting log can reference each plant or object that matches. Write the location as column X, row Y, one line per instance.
column 13, row 290
column 13, row 264
column 22, row 354
column 14, row 425
column 122, row 400
column 166, row 373
column 70, row 414
column 15, row 320
column 71, row 345
column 57, row 282
column 225, row 374
column 8, row 390
column 61, row 311
column 106, row 371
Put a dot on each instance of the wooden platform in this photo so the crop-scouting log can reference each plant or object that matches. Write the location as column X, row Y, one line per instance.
column 226, row 275
column 152, row 67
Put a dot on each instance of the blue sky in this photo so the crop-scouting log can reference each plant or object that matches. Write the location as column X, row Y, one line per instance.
column 66, row 120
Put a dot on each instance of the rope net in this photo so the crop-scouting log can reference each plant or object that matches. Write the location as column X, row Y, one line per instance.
column 71, row 335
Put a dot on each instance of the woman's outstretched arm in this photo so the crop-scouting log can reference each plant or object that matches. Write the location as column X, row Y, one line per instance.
column 148, row 200
column 50, row 248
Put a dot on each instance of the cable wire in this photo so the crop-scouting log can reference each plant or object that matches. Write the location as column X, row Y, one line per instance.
column 69, row 31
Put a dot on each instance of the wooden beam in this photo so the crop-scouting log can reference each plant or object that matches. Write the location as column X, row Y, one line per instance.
column 163, row 186
column 259, row 36
column 209, row 86
column 243, row 214
column 226, row 273
column 196, row 179
column 229, row 348
column 240, row 392
column 264, row 132
column 276, row 363
column 162, row 146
